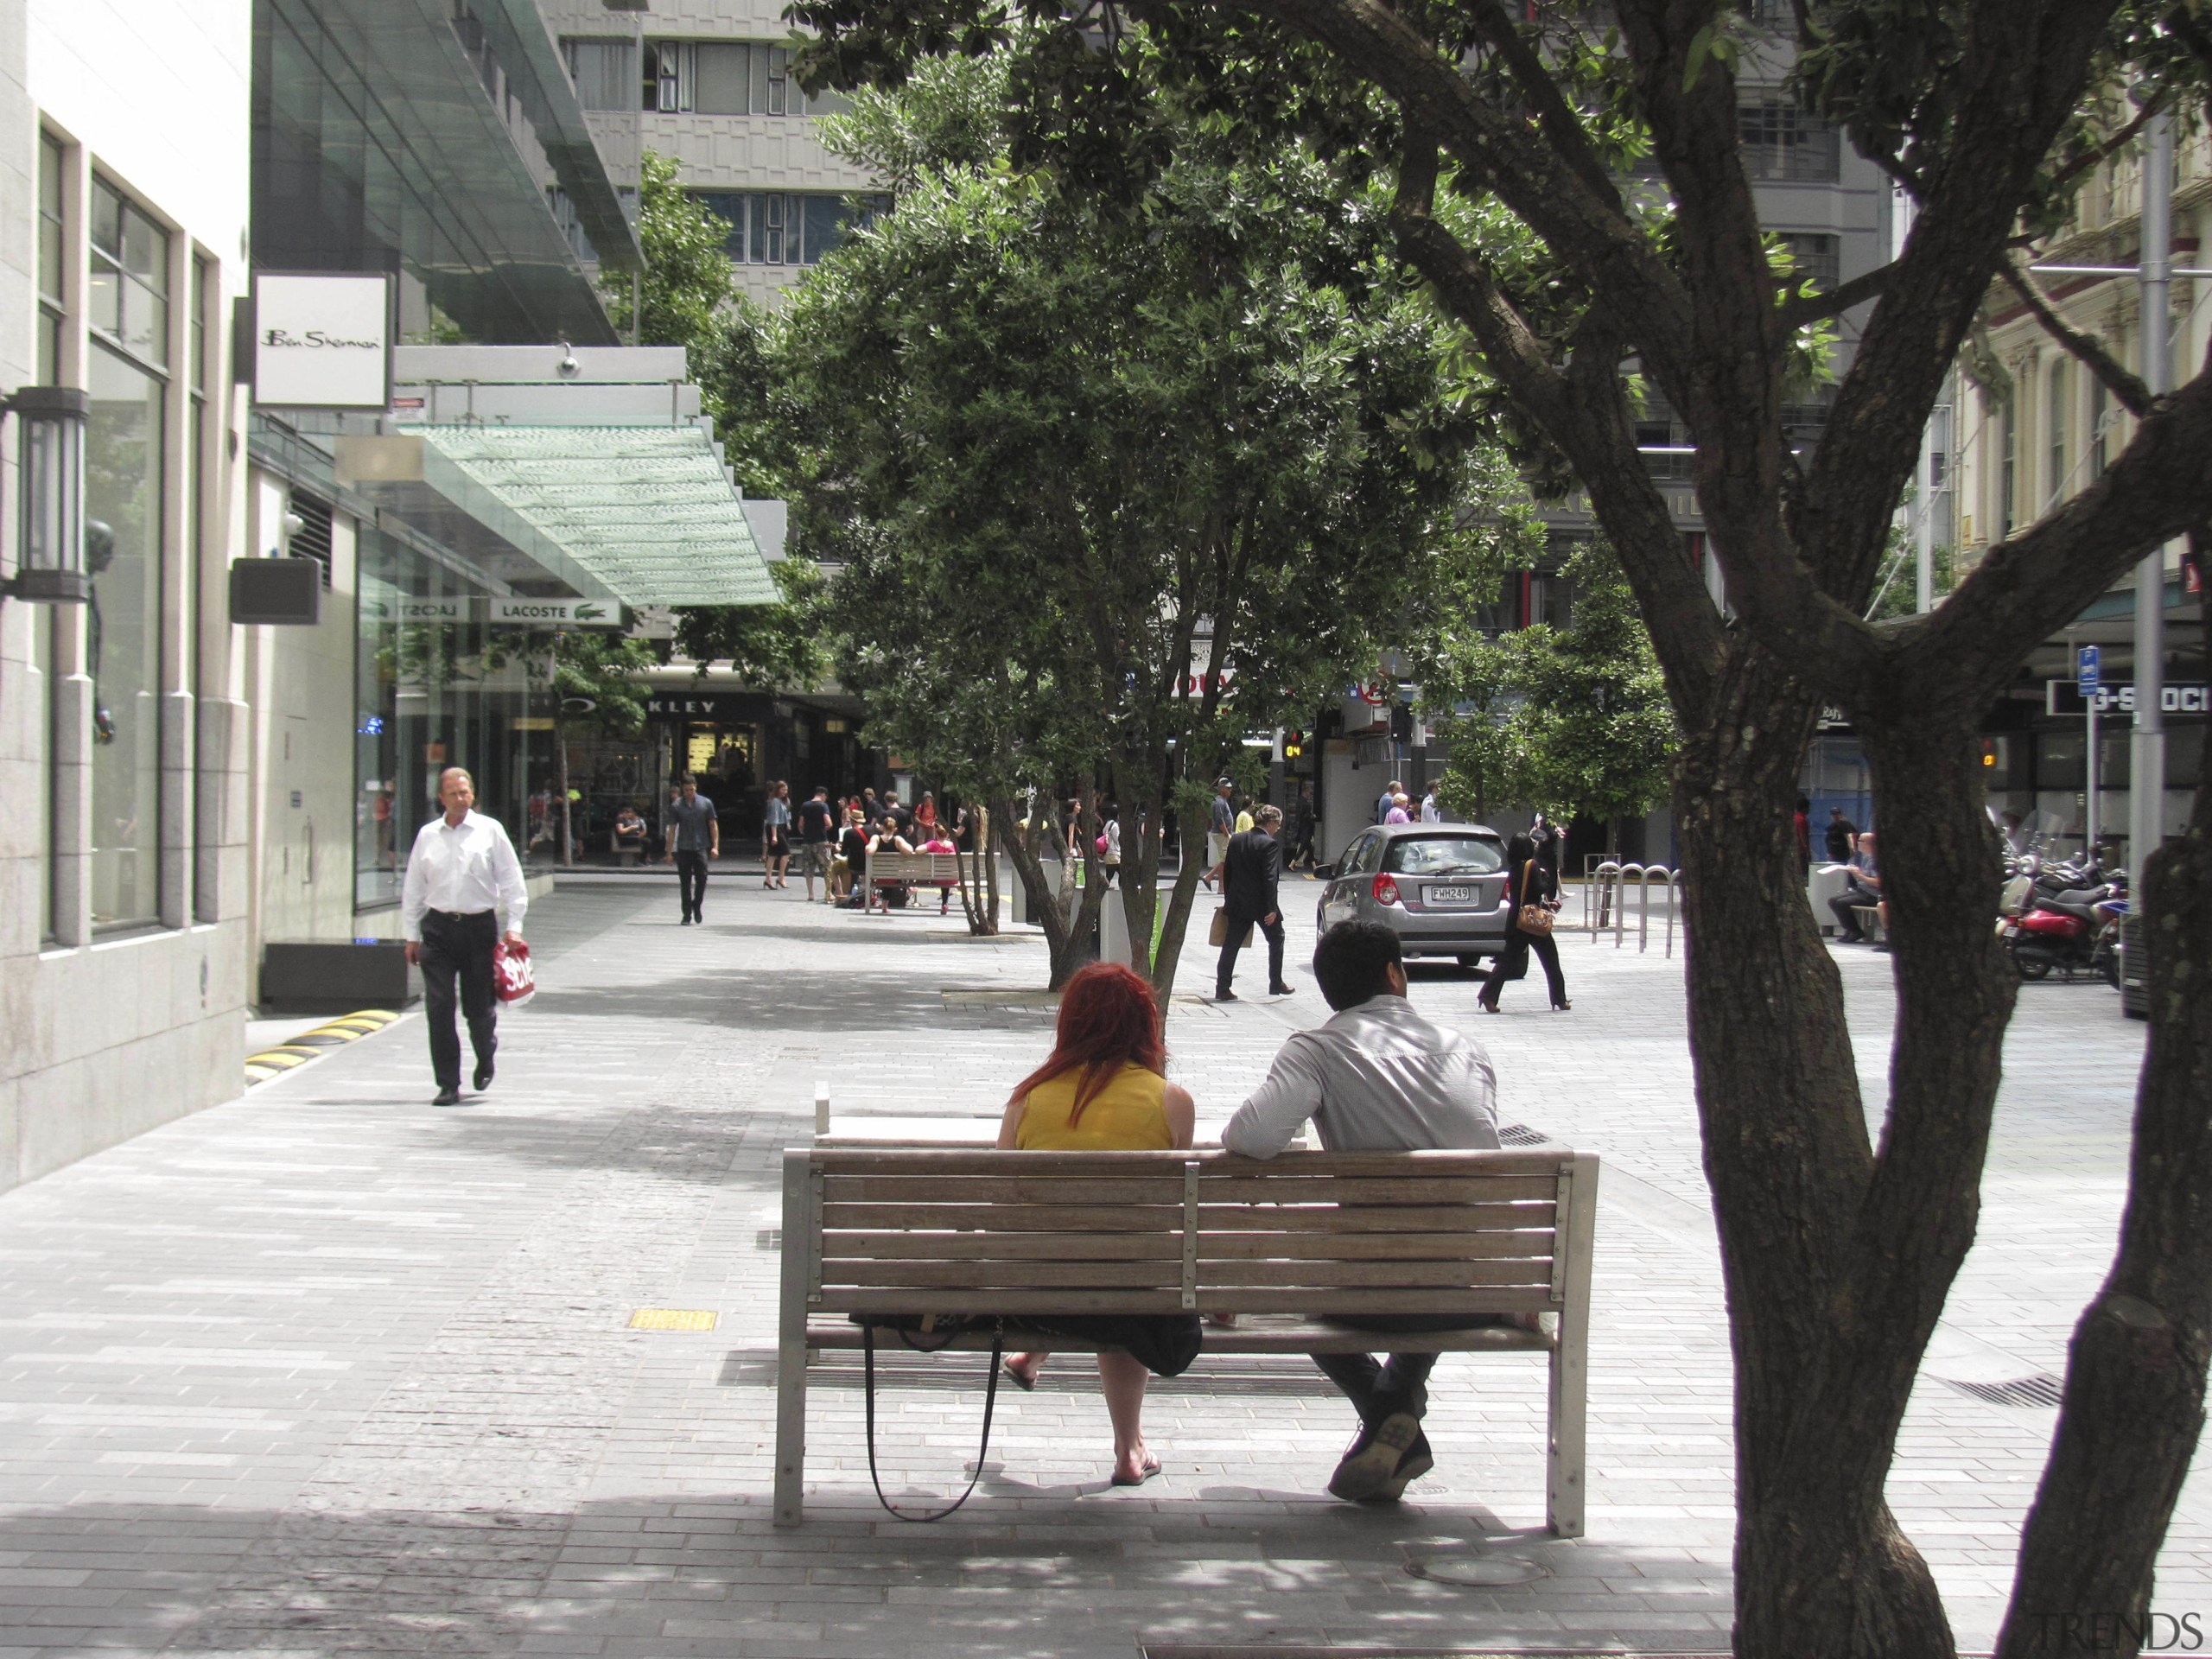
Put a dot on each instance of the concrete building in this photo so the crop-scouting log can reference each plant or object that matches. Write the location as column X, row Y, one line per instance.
column 123, row 822
column 709, row 82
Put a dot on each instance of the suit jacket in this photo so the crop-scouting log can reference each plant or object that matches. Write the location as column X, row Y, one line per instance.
column 1250, row 875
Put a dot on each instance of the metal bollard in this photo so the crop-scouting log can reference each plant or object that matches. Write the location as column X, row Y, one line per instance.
column 822, row 1106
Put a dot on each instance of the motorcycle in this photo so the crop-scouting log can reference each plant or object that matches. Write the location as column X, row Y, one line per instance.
column 2073, row 929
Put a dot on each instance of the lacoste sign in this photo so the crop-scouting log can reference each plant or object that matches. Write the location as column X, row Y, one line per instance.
column 502, row 612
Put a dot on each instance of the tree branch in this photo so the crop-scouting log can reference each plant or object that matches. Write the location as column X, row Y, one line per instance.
column 1800, row 312
column 2128, row 388
column 1561, row 125
column 2029, row 587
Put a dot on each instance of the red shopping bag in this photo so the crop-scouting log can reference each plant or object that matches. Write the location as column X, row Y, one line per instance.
column 512, row 981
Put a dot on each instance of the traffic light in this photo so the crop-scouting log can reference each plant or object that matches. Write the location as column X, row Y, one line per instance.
column 1293, row 745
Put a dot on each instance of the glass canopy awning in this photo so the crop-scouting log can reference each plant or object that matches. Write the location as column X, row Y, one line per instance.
column 646, row 514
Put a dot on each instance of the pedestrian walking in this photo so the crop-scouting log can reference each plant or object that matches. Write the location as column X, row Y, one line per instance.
column 925, row 816
column 1842, row 836
column 461, row 874
column 1388, row 799
column 1301, row 831
column 851, row 862
column 1221, row 825
column 1110, row 841
column 1801, row 832
column 817, row 823
column 694, row 837
column 1532, row 891
column 776, row 835
column 1432, row 809
column 1400, row 812
column 1550, row 841
column 1245, row 818
column 1248, row 873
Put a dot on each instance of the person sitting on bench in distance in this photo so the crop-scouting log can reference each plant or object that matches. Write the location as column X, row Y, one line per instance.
column 1376, row 1077
column 1103, row 1088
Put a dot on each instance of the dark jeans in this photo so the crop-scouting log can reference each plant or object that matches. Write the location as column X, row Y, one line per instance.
column 1514, row 964
column 1843, row 902
column 691, row 875
column 1227, row 971
column 1401, row 1384
column 458, row 947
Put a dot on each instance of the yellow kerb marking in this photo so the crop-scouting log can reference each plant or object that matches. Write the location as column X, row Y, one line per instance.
column 674, row 1319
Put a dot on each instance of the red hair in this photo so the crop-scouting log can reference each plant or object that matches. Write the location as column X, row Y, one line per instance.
column 1108, row 1018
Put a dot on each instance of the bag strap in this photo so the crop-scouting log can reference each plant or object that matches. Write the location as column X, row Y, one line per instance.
column 990, row 1400
column 1527, row 876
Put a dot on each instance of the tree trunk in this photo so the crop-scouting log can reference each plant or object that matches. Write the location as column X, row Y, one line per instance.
column 1823, row 1572
column 2134, row 1402
column 1172, row 930
column 1069, row 922
column 979, row 895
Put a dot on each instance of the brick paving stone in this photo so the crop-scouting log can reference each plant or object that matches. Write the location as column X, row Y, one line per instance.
column 327, row 1370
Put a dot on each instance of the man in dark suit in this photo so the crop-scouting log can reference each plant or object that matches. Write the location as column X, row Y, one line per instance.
column 1248, row 873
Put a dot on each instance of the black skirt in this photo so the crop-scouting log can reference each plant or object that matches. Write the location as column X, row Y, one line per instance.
column 1164, row 1344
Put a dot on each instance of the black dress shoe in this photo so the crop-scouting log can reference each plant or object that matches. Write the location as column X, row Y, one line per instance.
column 448, row 1098
column 1280, row 990
column 483, row 1077
column 1226, row 996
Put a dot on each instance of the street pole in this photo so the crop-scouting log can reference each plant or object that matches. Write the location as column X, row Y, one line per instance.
column 2147, row 751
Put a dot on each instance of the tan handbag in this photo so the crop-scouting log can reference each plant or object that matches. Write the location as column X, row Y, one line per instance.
column 1217, row 934
column 1532, row 918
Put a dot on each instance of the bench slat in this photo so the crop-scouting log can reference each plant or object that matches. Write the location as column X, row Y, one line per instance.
column 1214, row 1187
column 1504, row 1299
column 1166, row 1188
column 979, row 1276
column 974, row 1160
column 1035, row 1218
column 989, row 1277
column 1398, row 1275
column 981, row 1246
column 1275, row 1335
column 1380, row 1219
column 1373, row 1247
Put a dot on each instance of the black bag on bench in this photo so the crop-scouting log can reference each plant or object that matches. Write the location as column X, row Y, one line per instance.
column 944, row 1327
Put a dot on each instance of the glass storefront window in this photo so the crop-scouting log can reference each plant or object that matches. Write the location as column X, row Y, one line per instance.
column 129, row 294
column 123, row 551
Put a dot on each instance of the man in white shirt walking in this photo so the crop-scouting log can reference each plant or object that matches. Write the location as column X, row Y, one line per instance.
column 1376, row 1077
column 461, row 874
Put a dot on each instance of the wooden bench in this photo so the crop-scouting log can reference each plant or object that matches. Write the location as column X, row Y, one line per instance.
column 1282, row 1244
column 910, row 870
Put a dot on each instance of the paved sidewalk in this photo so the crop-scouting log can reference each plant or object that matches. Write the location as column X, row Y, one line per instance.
column 328, row 1370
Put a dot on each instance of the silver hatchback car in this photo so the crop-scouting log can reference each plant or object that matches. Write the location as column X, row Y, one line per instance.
column 1439, row 887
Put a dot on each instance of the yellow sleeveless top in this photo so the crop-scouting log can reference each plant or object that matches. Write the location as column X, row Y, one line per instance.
column 1128, row 1115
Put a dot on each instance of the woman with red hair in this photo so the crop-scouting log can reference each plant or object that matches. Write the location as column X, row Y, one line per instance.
column 1105, row 1087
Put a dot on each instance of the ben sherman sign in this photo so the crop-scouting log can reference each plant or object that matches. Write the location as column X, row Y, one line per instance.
column 322, row 340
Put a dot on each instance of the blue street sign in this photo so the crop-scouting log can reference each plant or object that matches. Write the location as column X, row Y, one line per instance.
column 2088, row 672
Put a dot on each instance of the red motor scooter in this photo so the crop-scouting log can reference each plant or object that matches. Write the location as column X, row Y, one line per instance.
column 2072, row 931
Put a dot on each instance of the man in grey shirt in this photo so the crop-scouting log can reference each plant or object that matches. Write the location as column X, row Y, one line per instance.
column 695, row 836
column 1376, row 1077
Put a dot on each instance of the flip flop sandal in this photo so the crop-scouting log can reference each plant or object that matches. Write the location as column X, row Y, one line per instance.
column 1151, row 1468
column 1027, row 1384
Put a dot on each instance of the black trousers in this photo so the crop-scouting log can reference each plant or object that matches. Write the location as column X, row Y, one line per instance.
column 691, row 877
column 458, row 948
column 1845, row 906
column 1401, row 1381
column 1514, row 964
column 1227, row 970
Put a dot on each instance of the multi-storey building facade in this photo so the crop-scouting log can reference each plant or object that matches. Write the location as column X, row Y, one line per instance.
column 2038, row 428
column 709, row 82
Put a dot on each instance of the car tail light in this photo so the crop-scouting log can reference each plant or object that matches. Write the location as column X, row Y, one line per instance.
column 1385, row 890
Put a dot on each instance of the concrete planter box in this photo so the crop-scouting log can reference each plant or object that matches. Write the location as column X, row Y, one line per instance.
column 337, row 975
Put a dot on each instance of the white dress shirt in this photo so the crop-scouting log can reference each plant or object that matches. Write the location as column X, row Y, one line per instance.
column 1376, row 1077
column 462, row 868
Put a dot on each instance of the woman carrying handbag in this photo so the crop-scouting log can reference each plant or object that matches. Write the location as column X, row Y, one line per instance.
column 1533, row 891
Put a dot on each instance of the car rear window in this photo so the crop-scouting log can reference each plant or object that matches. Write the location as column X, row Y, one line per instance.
column 1447, row 854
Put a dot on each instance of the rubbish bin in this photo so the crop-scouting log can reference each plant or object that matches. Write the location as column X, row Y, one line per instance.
column 1822, row 883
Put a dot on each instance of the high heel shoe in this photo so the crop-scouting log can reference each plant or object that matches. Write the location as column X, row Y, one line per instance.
column 1487, row 1008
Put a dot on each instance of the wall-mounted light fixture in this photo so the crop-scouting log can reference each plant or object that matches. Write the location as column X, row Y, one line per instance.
column 50, row 424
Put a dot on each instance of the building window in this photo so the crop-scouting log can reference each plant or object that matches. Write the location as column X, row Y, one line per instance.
column 2008, row 468
column 727, row 78
column 53, row 305
column 604, row 72
column 1785, row 143
column 128, row 306
column 2056, row 418
column 1818, row 258
column 312, row 539
column 775, row 228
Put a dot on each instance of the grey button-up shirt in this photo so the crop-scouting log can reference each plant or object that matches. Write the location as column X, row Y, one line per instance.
column 1376, row 1077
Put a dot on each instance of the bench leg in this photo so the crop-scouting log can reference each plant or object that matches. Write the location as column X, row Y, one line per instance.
column 1570, row 1391
column 791, row 1429
column 800, row 1222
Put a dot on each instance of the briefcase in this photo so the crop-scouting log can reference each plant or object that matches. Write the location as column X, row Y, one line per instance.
column 1218, row 935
